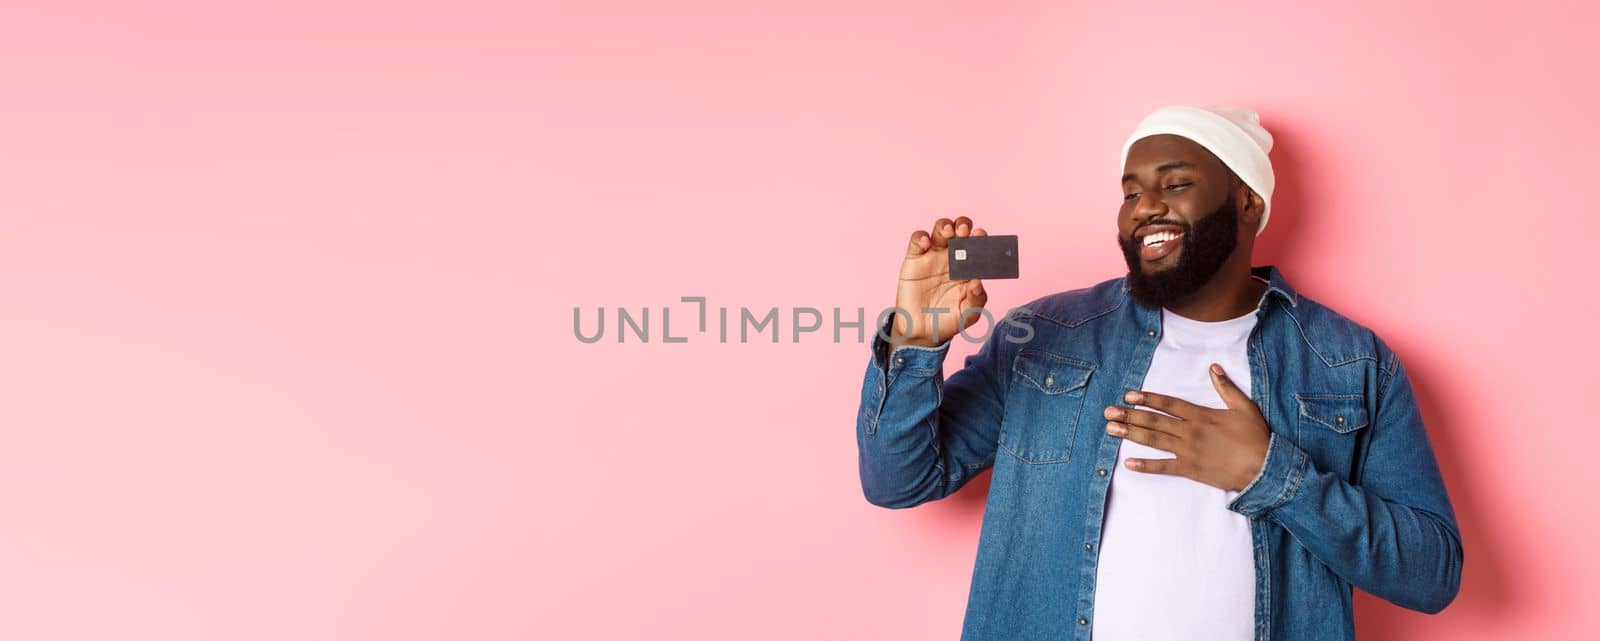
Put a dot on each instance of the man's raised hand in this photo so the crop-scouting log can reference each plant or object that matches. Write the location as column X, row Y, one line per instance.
column 925, row 285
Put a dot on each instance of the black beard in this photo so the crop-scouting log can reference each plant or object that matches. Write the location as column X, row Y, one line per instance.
column 1206, row 246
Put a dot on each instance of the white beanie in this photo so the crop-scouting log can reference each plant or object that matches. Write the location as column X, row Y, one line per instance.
column 1232, row 134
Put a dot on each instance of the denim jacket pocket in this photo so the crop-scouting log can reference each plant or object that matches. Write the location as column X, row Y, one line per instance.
column 1328, row 426
column 1041, row 417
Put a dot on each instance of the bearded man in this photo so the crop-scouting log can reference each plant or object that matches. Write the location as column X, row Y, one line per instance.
column 1194, row 450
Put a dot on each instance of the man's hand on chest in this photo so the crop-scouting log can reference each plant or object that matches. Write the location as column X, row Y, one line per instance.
column 1222, row 448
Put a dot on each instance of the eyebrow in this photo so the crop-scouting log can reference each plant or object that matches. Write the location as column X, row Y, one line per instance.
column 1167, row 166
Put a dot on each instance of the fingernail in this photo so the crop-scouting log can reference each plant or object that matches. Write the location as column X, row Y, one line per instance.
column 1216, row 369
column 1133, row 397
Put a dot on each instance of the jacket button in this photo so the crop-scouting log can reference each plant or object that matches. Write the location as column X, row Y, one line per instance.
column 1150, row 333
column 899, row 360
column 1049, row 380
column 1338, row 419
column 1088, row 546
column 1083, row 621
column 1101, row 471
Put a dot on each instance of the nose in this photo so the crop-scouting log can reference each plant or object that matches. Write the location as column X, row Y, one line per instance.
column 1148, row 206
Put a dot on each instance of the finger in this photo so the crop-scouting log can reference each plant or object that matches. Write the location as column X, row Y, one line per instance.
column 1147, row 419
column 942, row 231
column 1159, row 440
column 971, row 311
column 1168, row 466
column 976, row 295
column 1169, row 404
column 963, row 226
column 1234, row 397
column 979, row 232
column 920, row 244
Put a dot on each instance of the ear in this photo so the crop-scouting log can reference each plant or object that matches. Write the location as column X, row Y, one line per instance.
column 1251, row 207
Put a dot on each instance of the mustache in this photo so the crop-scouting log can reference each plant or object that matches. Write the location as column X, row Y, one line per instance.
column 1163, row 222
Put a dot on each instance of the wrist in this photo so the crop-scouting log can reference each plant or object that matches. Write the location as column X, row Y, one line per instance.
column 1251, row 469
column 914, row 341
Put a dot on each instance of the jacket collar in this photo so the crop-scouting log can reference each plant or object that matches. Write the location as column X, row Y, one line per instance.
column 1276, row 284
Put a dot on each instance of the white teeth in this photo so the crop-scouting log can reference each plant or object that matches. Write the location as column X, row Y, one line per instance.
column 1159, row 237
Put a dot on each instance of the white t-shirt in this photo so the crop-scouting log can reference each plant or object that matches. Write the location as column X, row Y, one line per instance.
column 1175, row 562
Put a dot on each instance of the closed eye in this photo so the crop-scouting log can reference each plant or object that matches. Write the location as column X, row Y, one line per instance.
column 1174, row 187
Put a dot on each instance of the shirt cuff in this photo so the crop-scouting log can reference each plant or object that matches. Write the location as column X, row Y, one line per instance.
column 892, row 361
column 1276, row 483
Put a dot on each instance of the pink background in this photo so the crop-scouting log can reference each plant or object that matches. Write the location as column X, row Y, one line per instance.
column 286, row 348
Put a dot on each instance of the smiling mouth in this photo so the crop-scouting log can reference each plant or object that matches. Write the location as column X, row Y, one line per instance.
column 1159, row 244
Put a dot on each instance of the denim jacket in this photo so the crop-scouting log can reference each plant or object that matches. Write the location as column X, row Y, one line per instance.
column 1349, row 493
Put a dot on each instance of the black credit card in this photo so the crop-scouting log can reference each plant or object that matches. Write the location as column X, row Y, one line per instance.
column 983, row 257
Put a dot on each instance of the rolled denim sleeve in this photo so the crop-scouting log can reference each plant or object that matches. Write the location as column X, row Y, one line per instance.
column 1278, row 481
column 920, row 435
column 1394, row 533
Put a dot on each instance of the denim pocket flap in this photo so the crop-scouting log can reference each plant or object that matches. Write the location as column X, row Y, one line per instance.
column 1050, row 373
column 1338, row 412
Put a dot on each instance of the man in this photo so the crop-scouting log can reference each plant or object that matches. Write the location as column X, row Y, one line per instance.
column 1192, row 451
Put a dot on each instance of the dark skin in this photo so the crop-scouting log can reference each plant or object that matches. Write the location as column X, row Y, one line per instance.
column 1171, row 178
column 1221, row 448
column 1157, row 191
